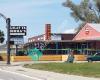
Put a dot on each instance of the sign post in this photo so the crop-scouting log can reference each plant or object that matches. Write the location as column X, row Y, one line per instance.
column 8, row 40
column 8, row 37
column 13, row 31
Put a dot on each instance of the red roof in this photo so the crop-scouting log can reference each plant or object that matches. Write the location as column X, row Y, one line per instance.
column 89, row 32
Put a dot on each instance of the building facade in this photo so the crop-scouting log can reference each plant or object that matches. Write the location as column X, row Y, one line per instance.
column 86, row 42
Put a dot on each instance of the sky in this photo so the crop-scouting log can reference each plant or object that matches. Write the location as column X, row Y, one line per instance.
column 35, row 14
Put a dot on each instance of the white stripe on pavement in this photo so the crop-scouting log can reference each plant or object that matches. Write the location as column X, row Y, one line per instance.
column 1, row 79
column 21, row 75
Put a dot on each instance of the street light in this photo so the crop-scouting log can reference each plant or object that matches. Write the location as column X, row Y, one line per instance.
column 8, row 37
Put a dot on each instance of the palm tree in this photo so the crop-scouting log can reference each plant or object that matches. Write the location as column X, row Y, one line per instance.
column 1, row 36
column 87, row 11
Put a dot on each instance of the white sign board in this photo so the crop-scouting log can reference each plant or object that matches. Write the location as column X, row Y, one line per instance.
column 17, row 41
column 18, row 30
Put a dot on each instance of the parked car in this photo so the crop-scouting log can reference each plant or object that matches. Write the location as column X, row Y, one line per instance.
column 95, row 57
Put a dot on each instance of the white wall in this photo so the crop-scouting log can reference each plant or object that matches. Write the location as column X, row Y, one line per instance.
column 55, row 37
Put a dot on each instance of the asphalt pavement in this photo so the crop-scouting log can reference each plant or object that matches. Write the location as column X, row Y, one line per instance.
column 5, row 75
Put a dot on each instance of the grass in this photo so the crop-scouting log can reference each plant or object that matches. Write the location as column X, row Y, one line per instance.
column 83, row 69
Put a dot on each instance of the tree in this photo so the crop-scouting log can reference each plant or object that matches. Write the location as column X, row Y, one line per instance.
column 87, row 11
column 1, row 36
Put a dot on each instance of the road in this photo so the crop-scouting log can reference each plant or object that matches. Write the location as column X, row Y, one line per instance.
column 16, row 71
column 12, row 76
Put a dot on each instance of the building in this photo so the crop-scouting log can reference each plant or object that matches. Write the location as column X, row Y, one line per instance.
column 87, row 41
column 54, row 43
column 89, row 38
column 56, row 46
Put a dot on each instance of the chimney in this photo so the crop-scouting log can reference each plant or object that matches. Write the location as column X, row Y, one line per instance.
column 47, row 31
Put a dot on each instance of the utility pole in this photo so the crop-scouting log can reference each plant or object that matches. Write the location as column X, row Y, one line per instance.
column 8, row 37
column 8, row 40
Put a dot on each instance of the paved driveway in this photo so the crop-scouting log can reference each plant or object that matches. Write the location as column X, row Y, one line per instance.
column 8, row 75
column 42, row 75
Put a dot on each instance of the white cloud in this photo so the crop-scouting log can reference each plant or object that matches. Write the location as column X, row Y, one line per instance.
column 20, row 3
column 24, row 8
column 69, row 31
column 62, row 26
column 65, row 27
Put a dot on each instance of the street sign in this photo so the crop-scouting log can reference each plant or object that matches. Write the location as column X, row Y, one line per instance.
column 18, row 30
column 18, row 40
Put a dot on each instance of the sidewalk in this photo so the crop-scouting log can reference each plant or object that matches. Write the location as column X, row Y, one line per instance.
column 44, row 75
column 32, row 62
